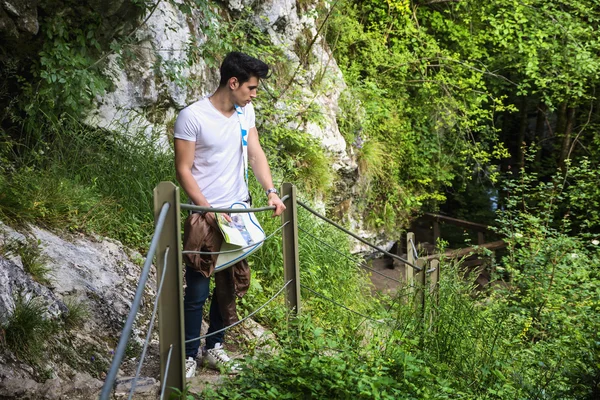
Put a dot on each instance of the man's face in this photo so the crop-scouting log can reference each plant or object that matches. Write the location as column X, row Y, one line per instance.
column 244, row 93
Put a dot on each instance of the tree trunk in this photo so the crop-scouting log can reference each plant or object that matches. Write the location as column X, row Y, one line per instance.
column 566, row 142
column 559, row 131
column 540, row 128
column 521, row 135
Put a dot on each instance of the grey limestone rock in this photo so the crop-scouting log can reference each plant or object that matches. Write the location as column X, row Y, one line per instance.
column 18, row 16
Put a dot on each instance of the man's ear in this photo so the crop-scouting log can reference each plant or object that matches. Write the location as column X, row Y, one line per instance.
column 233, row 83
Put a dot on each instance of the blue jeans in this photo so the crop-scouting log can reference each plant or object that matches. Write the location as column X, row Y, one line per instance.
column 196, row 293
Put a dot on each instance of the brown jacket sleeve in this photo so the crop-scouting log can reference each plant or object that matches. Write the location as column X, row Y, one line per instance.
column 233, row 282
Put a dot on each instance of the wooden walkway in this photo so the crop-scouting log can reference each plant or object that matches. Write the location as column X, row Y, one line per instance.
column 472, row 256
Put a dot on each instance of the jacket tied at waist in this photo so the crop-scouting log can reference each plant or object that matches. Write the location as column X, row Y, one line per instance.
column 233, row 282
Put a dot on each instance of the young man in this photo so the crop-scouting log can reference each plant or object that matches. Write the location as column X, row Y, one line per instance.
column 210, row 168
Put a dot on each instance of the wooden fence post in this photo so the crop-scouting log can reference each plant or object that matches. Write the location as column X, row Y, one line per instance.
column 436, row 234
column 434, row 284
column 480, row 238
column 435, row 277
column 291, row 263
column 420, row 280
column 170, row 302
column 409, row 271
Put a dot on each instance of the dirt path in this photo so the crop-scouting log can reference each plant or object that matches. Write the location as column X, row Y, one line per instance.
column 389, row 268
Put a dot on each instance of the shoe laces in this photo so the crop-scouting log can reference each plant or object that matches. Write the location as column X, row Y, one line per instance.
column 219, row 354
column 190, row 364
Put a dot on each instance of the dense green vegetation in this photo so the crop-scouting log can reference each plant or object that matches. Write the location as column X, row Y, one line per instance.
column 444, row 99
column 457, row 90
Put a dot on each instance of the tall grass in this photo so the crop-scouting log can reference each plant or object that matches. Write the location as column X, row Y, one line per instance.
column 88, row 179
column 371, row 159
column 26, row 330
column 322, row 269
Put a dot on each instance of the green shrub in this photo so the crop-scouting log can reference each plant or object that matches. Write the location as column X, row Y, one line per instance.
column 76, row 315
column 46, row 197
column 310, row 366
column 322, row 269
column 26, row 329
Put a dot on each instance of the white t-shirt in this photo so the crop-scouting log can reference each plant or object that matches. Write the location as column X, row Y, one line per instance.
column 218, row 162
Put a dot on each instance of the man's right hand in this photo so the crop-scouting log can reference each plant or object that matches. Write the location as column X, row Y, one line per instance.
column 211, row 218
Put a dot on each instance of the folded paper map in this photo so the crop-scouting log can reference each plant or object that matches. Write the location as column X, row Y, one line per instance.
column 243, row 235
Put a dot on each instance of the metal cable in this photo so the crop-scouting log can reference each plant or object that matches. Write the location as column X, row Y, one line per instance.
column 356, row 236
column 345, row 255
column 236, row 250
column 164, row 382
column 243, row 319
column 150, row 326
column 120, row 352
column 415, row 252
column 192, row 207
column 341, row 305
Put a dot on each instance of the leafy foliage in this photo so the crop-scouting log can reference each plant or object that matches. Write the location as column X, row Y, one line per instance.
column 420, row 98
column 315, row 367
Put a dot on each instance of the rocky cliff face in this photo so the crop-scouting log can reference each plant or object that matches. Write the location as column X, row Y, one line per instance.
column 146, row 81
column 19, row 19
column 99, row 277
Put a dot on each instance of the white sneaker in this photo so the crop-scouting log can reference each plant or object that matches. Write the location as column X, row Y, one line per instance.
column 190, row 367
column 217, row 358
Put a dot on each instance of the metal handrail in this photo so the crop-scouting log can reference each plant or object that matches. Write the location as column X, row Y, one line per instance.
column 192, row 207
column 164, row 382
column 150, row 326
column 135, row 305
column 162, row 215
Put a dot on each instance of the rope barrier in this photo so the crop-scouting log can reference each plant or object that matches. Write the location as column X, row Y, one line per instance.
column 120, row 352
column 150, row 326
column 357, row 237
column 192, row 207
column 340, row 305
column 160, row 222
column 243, row 319
column 164, row 383
column 236, row 250
column 345, row 255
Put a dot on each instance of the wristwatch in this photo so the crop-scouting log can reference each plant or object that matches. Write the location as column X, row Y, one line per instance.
column 272, row 190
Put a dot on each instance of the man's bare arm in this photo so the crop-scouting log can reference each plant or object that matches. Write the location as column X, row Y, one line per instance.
column 260, row 166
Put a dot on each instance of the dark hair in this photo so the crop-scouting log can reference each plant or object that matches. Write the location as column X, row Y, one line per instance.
column 243, row 67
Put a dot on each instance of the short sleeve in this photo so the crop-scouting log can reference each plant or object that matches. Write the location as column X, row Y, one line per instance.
column 186, row 125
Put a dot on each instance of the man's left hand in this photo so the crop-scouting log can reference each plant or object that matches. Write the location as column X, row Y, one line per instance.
column 274, row 200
